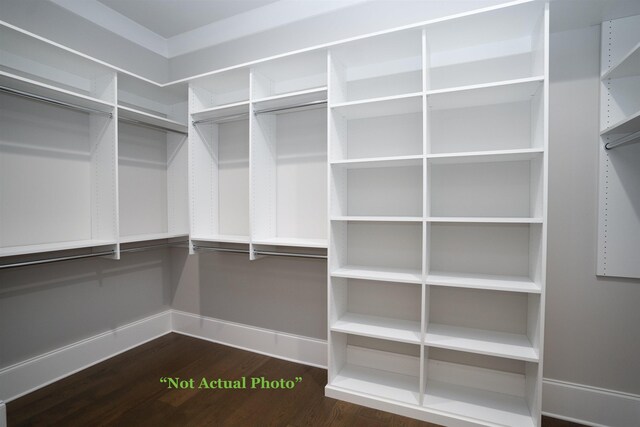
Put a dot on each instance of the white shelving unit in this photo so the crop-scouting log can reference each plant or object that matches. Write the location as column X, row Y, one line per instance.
column 58, row 183
column 618, row 220
column 437, row 189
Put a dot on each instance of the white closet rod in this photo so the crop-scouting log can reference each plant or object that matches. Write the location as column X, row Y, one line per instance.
column 291, row 107
column 74, row 257
column 51, row 101
column 150, row 126
column 623, row 141
column 267, row 253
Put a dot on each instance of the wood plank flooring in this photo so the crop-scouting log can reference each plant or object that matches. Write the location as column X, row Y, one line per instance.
column 126, row 391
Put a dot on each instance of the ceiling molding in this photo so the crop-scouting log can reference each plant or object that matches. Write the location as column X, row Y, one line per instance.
column 109, row 19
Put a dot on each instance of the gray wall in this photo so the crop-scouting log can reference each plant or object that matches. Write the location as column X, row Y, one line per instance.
column 592, row 332
column 46, row 307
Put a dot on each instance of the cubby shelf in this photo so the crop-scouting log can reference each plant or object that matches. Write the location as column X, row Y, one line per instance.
column 376, row 382
column 501, row 344
column 150, row 119
column 376, row 107
column 291, row 99
column 495, row 220
column 379, row 327
column 485, row 156
column 154, row 236
column 292, row 241
column 52, row 247
column 484, row 406
column 402, row 275
column 378, row 218
column 483, row 281
column 23, row 84
column 233, row 109
column 379, row 162
column 628, row 66
column 503, row 92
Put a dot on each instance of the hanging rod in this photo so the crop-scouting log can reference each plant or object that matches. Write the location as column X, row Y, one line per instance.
column 228, row 118
column 57, row 259
column 622, row 141
column 291, row 107
column 51, row 101
column 266, row 253
column 150, row 126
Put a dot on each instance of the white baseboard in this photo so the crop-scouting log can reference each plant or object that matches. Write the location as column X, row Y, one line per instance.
column 295, row 348
column 3, row 414
column 588, row 405
column 32, row 374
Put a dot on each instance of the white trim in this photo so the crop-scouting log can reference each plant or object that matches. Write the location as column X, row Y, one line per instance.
column 3, row 414
column 32, row 374
column 294, row 348
column 591, row 406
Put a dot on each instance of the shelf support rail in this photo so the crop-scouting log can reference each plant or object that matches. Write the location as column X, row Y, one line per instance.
column 227, row 118
column 150, row 126
column 266, row 253
column 82, row 256
column 44, row 99
column 623, row 141
column 292, row 107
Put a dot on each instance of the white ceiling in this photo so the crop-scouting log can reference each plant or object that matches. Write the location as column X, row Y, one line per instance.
column 169, row 18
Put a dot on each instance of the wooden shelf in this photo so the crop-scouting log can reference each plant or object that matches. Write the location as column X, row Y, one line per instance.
column 523, row 154
column 483, row 281
column 147, row 237
column 484, row 94
column 52, row 247
column 291, row 99
column 34, row 87
column 150, row 119
column 217, row 112
column 501, row 344
column 379, row 327
column 379, row 162
column 379, row 383
column 376, row 107
column 490, row 220
column 481, row 405
column 628, row 66
column 222, row 238
column 402, row 275
column 292, row 241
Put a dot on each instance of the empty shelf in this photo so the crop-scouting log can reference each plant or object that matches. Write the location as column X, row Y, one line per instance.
column 379, row 327
column 153, row 236
column 34, row 87
column 627, row 125
column 628, row 66
column 50, row 247
column 377, row 218
column 494, row 220
column 292, row 241
column 486, row 406
column 403, row 275
column 379, row 162
column 483, row 281
column 501, row 344
column 213, row 113
column 484, row 94
column 290, row 99
column 387, row 106
column 150, row 119
column 222, row 238
column 379, row 383
column 485, row 156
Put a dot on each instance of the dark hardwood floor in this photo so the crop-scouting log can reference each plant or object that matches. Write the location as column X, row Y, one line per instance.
column 126, row 391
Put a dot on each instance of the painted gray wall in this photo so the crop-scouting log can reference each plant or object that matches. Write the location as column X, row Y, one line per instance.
column 43, row 308
column 592, row 331
column 53, row 22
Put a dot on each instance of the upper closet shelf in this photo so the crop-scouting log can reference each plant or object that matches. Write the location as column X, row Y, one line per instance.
column 228, row 111
column 485, row 94
column 628, row 66
column 294, row 100
column 486, row 156
column 131, row 114
column 147, row 237
column 291, row 241
column 386, row 106
column 51, row 247
column 222, row 238
column 627, row 125
column 494, row 220
column 35, row 89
